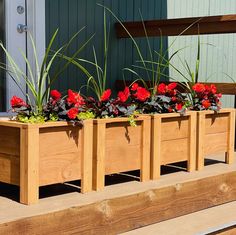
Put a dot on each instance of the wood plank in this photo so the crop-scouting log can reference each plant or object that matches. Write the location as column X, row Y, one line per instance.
column 174, row 151
column 182, row 26
column 175, row 128
column 122, row 147
column 216, row 123
column 10, row 169
column 29, row 165
column 87, row 157
column 216, row 143
column 60, row 151
column 99, row 156
column 156, row 147
column 192, row 142
column 231, row 138
column 145, row 150
column 10, row 141
column 125, row 213
column 201, row 122
column 224, row 88
column 227, row 231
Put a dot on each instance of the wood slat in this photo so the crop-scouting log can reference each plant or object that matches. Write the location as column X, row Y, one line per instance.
column 121, row 214
column 224, row 88
column 174, row 27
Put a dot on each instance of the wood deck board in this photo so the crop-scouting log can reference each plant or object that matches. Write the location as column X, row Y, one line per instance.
column 106, row 209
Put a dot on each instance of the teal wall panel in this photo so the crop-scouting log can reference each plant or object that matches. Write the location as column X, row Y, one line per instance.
column 71, row 15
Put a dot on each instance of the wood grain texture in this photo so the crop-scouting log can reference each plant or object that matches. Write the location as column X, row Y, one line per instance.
column 117, row 215
column 174, row 27
column 29, row 165
column 60, row 154
column 10, row 140
column 216, row 133
column 119, row 147
column 174, row 140
column 44, row 154
column 10, row 169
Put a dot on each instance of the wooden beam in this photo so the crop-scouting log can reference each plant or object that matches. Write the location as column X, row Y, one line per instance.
column 224, row 88
column 173, row 27
column 117, row 215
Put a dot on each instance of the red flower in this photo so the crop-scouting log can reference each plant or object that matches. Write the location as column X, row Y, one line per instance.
column 55, row 94
column 173, row 98
column 219, row 95
column 124, row 95
column 199, row 87
column 134, row 87
column 72, row 113
column 206, row 104
column 172, row 86
column 106, row 95
column 161, row 89
column 213, row 89
column 75, row 98
column 178, row 107
column 142, row 94
column 17, row 102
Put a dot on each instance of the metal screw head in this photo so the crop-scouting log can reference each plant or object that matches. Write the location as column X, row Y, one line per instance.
column 20, row 9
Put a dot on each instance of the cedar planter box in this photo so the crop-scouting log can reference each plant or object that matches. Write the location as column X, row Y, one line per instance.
column 173, row 139
column 119, row 147
column 216, row 133
column 33, row 155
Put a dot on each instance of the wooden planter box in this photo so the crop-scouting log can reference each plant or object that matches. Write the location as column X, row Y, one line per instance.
column 173, row 139
column 216, row 133
column 33, row 155
column 119, row 147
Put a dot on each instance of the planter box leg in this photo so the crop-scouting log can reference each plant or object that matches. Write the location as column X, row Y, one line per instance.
column 201, row 141
column 156, row 149
column 99, row 157
column 229, row 157
column 146, row 145
column 192, row 143
column 86, row 179
column 29, row 165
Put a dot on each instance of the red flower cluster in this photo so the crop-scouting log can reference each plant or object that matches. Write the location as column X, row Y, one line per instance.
column 141, row 94
column 75, row 99
column 169, row 90
column 72, row 113
column 55, row 94
column 124, row 95
column 206, row 96
column 17, row 102
column 106, row 95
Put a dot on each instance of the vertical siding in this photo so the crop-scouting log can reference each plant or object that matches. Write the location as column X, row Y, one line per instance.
column 70, row 15
column 217, row 51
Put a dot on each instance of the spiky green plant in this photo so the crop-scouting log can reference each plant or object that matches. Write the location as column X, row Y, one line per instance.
column 40, row 83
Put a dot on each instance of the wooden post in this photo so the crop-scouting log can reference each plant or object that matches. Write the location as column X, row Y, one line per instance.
column 87, row 157
column 29, row 164
column 201, row 140
column 231, row 135
column 192, row 142
column 156, row 148
column 146, row 145
column 99, row 156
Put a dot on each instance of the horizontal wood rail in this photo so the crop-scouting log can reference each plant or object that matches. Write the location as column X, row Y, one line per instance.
column 224, row 88
column 173, row 27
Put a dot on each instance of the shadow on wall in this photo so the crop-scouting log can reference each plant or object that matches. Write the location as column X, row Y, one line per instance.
column 71, row 15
